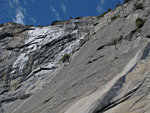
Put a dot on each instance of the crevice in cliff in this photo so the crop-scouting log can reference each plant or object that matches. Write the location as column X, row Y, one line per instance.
column 91, row 61
column 19, row 47
column 38, row 70
column 146, row 51
column 136, row 102
column 111, row 43
column 11, row 99
column 101, row 47
column 120, row 100
column 105, row 102
column 65, row 39
column 148, row 36
column 130, row 35
column 2, row 36
column 47, row 100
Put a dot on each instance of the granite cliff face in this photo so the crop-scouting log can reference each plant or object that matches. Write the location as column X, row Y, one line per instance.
column 109, row 69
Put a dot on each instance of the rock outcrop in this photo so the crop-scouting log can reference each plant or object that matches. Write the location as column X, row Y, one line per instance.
column 108, row 72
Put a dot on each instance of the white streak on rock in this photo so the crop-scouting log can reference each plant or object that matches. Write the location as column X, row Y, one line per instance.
column 21, row 61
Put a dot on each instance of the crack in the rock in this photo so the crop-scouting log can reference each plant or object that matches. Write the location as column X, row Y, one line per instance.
column 130, row 35
column 91, row 61
column 136, row 102
column 120, row 100
column 38, row 70
column 146, row 51
column 118, row 40
column 20, row 47
column 148, row 36
column 145, row 111
column 63, row 102
column 101, row 47
column 47, row 100
column 2, row 36
column 22, row 97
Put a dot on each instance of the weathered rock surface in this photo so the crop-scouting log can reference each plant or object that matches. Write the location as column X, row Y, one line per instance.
column 102, row 76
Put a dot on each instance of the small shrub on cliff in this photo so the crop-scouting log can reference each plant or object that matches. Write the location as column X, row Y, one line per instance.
column 40, row 26
column 65, row 58
column 79, row 17
column 102, row 15
column 114, row 42
column 138, row 6
column 117, row 5
column 114, row 17
column 125, row 1
column 139, row 22
column 71, row 17
column 108, row 9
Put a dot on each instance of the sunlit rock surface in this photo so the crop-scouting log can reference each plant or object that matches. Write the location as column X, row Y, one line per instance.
column 108, row 72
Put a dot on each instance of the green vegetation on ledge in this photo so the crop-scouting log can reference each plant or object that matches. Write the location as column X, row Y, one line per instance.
column 139, row 22
column 65, row 57
column 138, row 6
